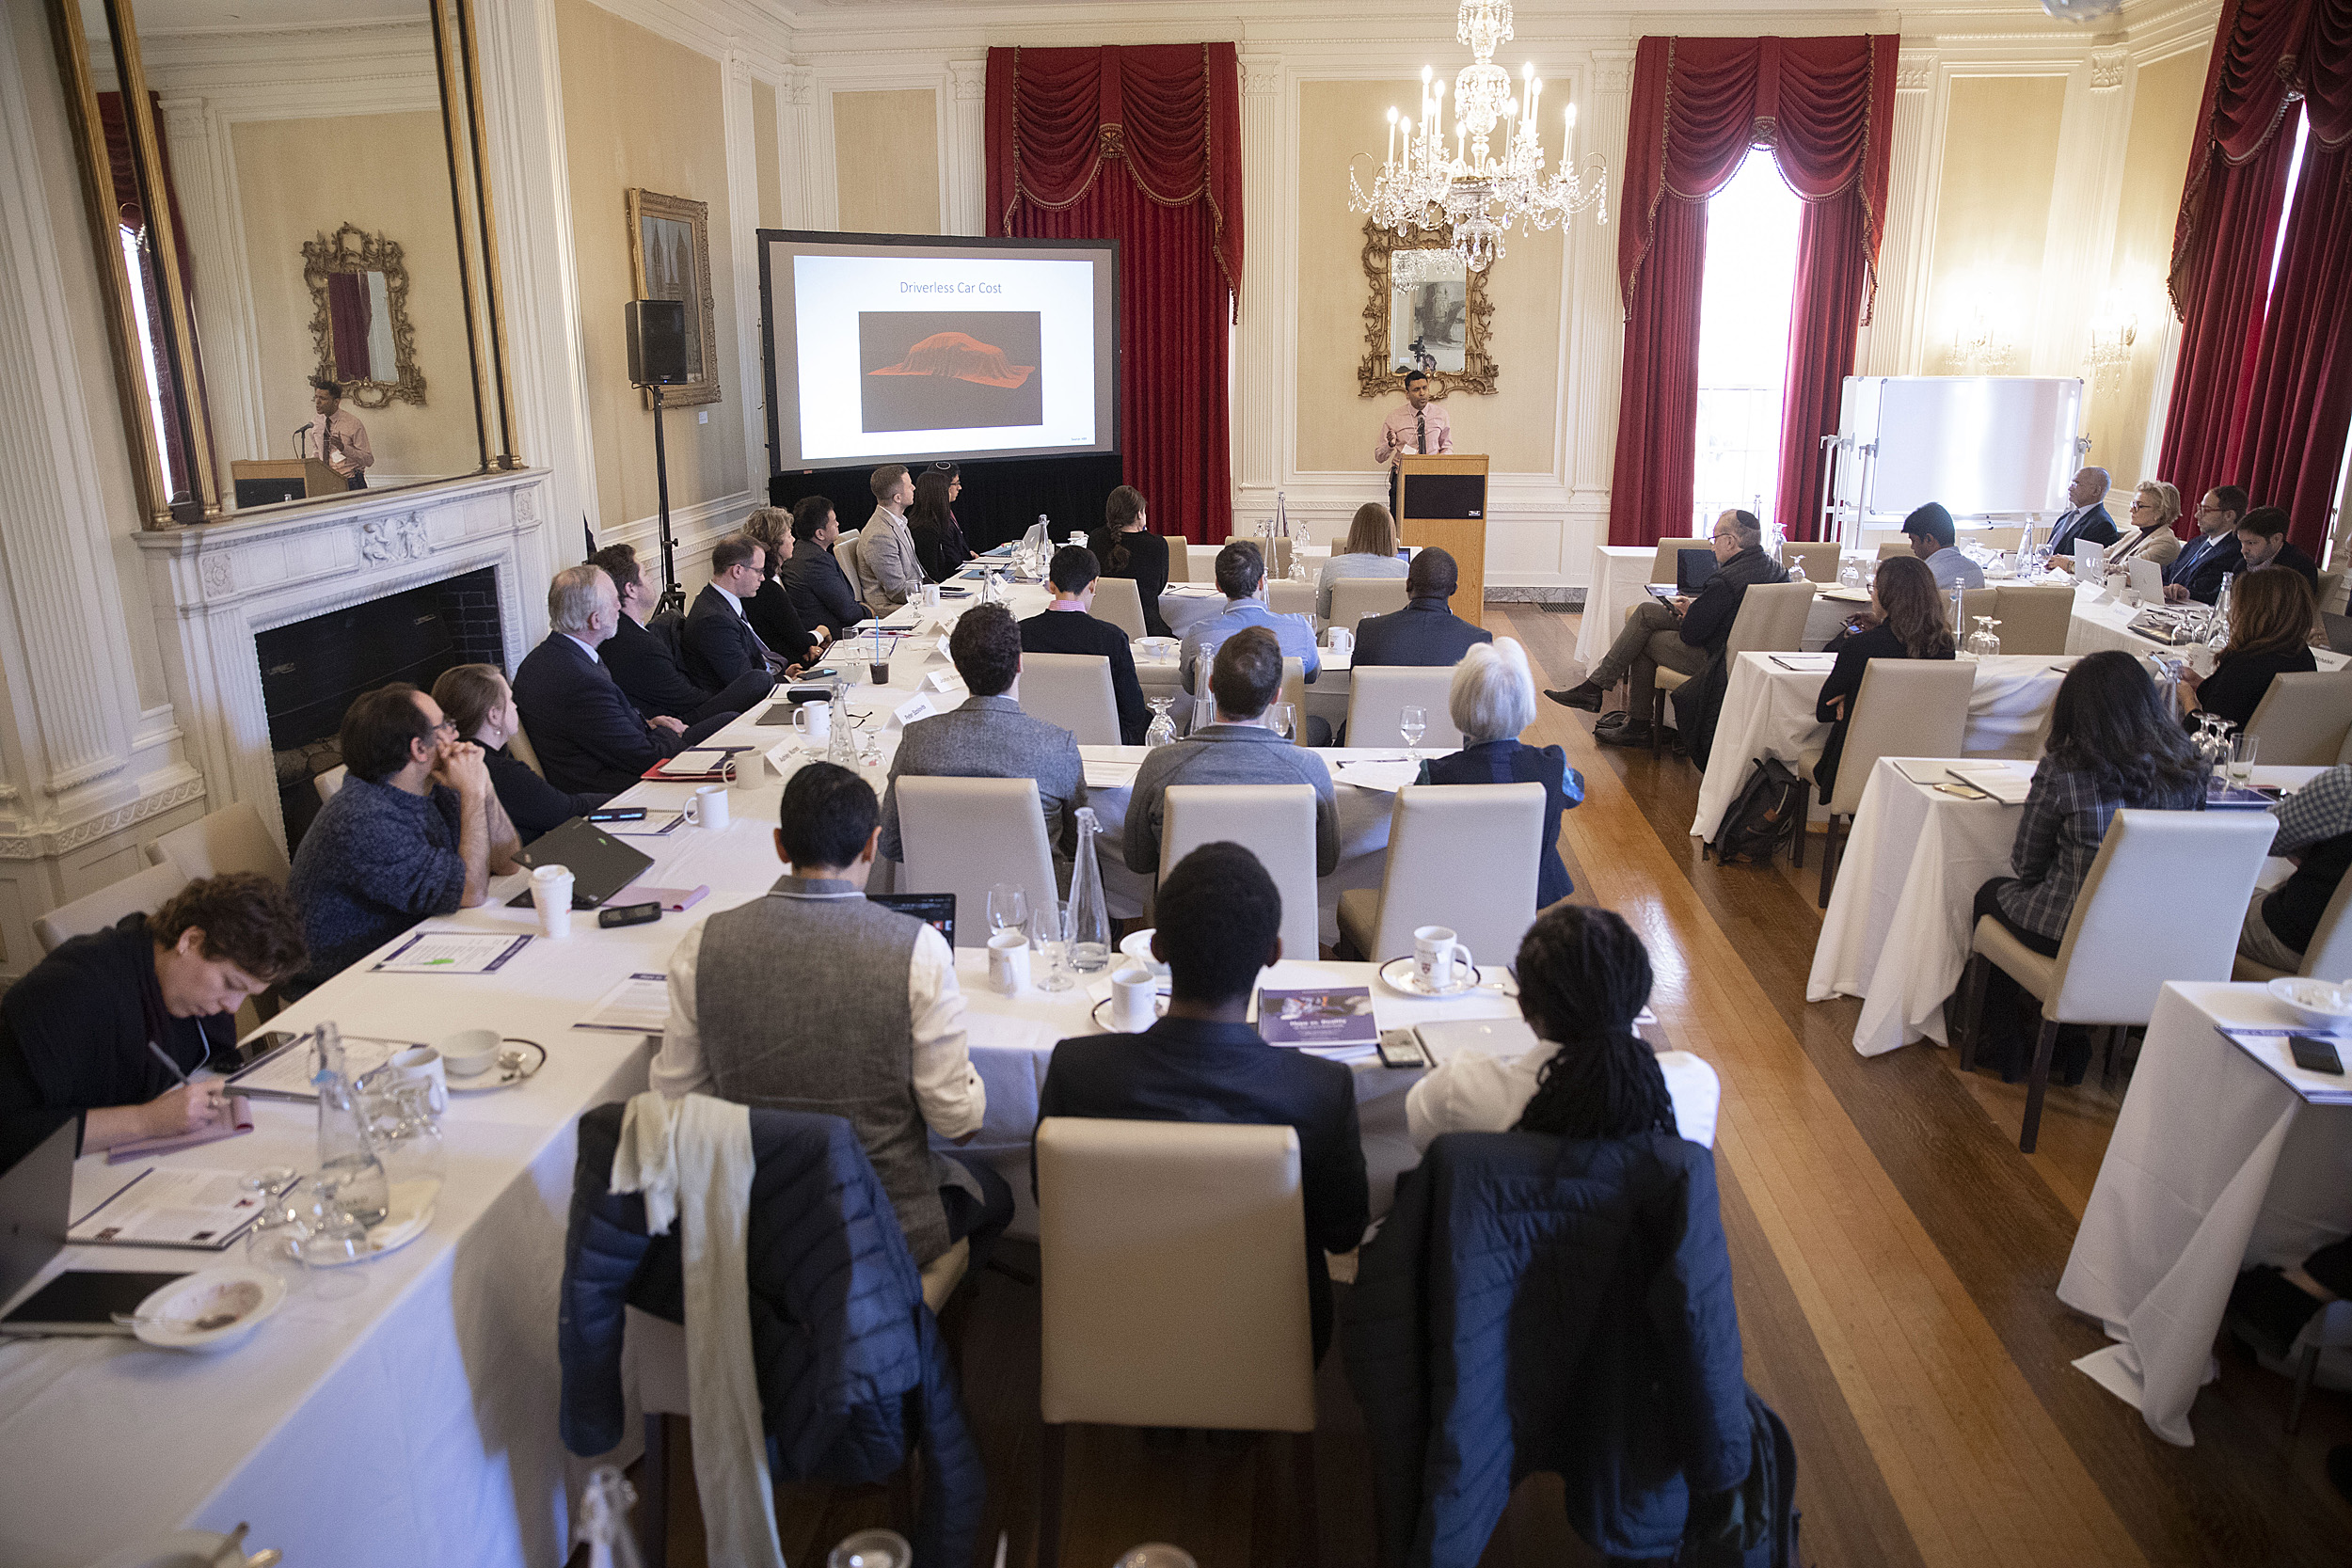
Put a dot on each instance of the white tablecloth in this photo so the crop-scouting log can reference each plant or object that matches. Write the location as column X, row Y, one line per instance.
column 2213, row 1165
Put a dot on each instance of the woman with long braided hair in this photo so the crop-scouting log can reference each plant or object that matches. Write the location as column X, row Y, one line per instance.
column 1583, row 978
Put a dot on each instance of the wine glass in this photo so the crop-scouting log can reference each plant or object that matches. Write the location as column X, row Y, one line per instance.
column 1163, row 730
column 1982, row 643
column 1008, row 907
column 1412, row 723
column 1279, row 718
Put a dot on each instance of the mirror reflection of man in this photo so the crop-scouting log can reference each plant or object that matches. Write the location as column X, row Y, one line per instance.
column 1417, row 427
column 337, row 438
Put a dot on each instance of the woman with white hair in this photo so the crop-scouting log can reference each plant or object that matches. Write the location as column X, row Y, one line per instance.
column 1493, row 699
column 2155, row 507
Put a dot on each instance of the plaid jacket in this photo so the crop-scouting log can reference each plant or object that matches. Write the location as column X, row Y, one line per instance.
column 2066, row 817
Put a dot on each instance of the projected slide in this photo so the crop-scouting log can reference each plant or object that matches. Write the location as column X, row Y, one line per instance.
column 883, row 348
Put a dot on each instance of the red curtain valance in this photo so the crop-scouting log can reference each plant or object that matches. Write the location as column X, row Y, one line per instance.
column 1171, row 112
column 1824, row 106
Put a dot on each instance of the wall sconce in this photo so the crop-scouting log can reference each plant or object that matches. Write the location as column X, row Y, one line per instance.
column 2113, row 331
column 1979, row 347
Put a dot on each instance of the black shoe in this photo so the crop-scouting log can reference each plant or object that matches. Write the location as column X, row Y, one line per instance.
column 1634, row 732
column 2268, row 1311
column 1613, row 720
column 1586, row 696
column 2070, row 1056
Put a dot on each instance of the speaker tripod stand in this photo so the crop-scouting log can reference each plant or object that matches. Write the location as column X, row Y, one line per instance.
column 673, row 596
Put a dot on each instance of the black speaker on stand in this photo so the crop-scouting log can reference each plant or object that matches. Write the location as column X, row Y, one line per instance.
column 656, row 333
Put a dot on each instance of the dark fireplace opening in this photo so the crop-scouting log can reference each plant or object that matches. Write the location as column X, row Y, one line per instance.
column 312, row 670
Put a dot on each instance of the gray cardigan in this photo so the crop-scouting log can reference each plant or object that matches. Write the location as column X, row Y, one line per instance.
column 989, row 737
column 1226, row 754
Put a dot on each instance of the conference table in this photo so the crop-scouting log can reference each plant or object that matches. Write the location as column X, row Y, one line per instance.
column 414, row 1420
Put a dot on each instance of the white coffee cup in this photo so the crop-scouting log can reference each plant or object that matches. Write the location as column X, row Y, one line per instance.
column 552, row 891
column 930, row 593
column 1134, row 1000
column 468, row 1053
column 1435, row 953
column 751, row 770
column 1339, row 640
column 709, row 808
column 813, row 723
column 1009, row 961
column 423, row 1063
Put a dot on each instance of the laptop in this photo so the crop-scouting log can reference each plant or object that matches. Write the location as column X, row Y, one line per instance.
column 601, row 864
column 1692, row 567
column 2339, row 631
column 935, row 910
column 2147, row 581
column 36, row 1207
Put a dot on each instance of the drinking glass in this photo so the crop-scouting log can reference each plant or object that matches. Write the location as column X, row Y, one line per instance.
column 1051, row 937
column 2242, row 749
column 1008, row 907
column 1163, row 728
column 1278, row 718
column 1412, row 723
column 1982, row 643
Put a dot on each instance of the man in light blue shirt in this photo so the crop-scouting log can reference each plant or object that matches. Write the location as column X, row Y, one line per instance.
column 1241, row 577
column 1930, row 528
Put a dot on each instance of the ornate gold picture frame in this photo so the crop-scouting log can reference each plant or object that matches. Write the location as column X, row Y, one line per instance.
column 1382, row 372
column 364, row 322
column 669, row 258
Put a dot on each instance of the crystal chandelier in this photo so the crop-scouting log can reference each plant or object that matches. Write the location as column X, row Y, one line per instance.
column 2081, row 10
column 1480, row 191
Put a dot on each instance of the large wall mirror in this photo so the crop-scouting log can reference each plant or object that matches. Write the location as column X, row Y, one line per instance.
column 287, row 201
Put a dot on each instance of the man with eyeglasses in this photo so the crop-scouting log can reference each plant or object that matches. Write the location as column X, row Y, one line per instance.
column 414, row 831
column 2197, row 572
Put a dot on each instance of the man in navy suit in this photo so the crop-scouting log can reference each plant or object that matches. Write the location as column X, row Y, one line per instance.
column 579, row 720
column 2197, row 572
column 720, row 646
column 645, row 665
column 1068, row 626
column 2262, row 539
column 813, row 579
column 2086, row 516
column 1425, row 631
column 1220, row 920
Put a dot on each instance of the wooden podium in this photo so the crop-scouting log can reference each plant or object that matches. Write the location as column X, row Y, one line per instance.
column 283, row 478
column 1441, row 501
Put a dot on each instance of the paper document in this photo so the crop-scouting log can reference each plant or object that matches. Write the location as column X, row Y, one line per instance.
column 1930, row 770
column 285, row 1073
column 202, row 1209
column 1386, row 777
column 1110, row 775
column 2269, row 1048
column 452, row 953
column 639, row 1005
column 1806, row 664
column 2007, row 782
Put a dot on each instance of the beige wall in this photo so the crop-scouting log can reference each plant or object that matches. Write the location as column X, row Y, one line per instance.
column 286, row 202
column 765, row 162
column 1336, row 428
column 1992, row 210
column 885, row 149
column 2164, row 122
column 672, row 140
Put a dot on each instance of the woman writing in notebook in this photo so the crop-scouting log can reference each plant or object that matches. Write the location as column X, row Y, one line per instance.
column 113, row 1025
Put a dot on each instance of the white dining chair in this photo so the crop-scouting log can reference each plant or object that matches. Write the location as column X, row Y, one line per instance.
column 1274, row 822
column 141, row 893
column 1074, row 691
column 2034, row 619
column 965, row 835
column 1294, row 694
column 230, row 839
column 845, row 554
column 1972, row 603
column 2304, row 720
column 1770, row 621
column 1890, row 548
column 2330, row 955
column 1378, row 693
column 1993, row 538
column 2107, row 973
column 1907, row 708
column 1285, row 598
column 1353, row 599
column 1821, row 558
column 1172, row 1289
column 1117, row 601
column 1459, row 855
column 330, row 782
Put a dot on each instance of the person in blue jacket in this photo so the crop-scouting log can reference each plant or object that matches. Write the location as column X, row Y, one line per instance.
column 1491, row 701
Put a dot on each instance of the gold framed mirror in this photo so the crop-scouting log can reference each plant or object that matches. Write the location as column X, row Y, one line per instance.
column 239, row 182
column 1439, row 320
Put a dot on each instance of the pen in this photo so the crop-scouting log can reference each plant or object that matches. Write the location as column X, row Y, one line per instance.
column 165, row 1056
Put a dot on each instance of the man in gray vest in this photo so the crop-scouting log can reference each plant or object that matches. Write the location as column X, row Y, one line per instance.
column 813, row 998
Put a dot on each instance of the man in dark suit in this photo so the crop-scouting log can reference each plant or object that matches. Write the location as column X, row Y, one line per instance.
column 2262, row 539
column 1221, row 920
column 1068, row 626
column 720, row 646
column 820, row 593
column 2086, row 516
column 649, row 668
column 2197, row 572
column 580, row 722
column 1425, row 631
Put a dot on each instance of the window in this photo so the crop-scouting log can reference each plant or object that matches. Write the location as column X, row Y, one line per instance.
column 1745, row 301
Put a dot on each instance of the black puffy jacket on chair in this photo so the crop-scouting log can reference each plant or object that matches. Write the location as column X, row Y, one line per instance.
column 853, row 1375
column 1540, row 1304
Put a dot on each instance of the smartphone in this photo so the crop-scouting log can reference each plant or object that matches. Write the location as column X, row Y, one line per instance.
column 266, row 1041
column 617, row 813
column 2315, row 1055
column 628, row 914
column 1401, row 1048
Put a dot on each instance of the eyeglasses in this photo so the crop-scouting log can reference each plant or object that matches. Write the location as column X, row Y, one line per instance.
column 445, row 724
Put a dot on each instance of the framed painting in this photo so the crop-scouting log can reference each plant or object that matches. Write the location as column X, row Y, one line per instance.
column 669, row 258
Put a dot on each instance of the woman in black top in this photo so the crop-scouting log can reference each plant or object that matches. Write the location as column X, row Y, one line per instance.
column 939, row 545
column 770, row 610
column 1127, row 547
column 2271, row 616
column 476, row 699
column 1908, row 624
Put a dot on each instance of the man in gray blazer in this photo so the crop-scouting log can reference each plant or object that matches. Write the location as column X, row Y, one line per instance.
column 1238, row 749
column 888, row 571
column 1425, row 631
column 989, row 737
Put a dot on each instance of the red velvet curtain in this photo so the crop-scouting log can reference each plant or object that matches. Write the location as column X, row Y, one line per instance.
column 1824, row 107
column 2261, row 396
column 1141, row 145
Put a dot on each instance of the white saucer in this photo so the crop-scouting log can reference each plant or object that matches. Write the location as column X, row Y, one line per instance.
column 1103, row 1014
column 410, row 1216
column 1399, row 975
column 252, row 1293
column 496, row 1077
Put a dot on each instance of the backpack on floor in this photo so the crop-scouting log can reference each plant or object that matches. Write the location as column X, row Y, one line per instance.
column 1754, row 1524
column 1764, row 818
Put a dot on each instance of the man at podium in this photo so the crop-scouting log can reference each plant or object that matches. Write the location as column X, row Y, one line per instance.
column 1414, row 428
column 336, row 437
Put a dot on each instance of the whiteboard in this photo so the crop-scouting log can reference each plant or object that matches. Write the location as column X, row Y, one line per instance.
column 1979, row 444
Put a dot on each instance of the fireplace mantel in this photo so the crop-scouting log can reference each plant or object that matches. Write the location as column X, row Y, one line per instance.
column 215, row 585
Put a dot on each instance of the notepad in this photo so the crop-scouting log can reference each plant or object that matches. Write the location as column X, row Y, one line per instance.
column 206, row 1209
column 2005, row 782
column 638, row 1005
column 1806, row 664
column 1110, row 774
column 238, row 1122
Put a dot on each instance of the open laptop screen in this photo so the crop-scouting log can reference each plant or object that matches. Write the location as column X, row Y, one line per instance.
column 1693, row 569
column 935, row 910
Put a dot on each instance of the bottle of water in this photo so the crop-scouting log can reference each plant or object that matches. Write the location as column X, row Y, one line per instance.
column 1203, row 702
column 1090, row 915
column 1960, row 615
column 2217, row 624
column 348, row 1165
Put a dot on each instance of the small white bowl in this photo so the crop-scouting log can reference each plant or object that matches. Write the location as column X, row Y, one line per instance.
column 2321, row 1004
column 251, row 1295
column 1138, row 946
column 468, row 1053
column 1158, row 648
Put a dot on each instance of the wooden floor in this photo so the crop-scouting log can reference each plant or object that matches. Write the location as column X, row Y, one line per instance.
column 1895, row 1260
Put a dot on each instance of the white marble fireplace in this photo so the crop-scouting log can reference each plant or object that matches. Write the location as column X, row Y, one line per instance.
column 214, row 587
